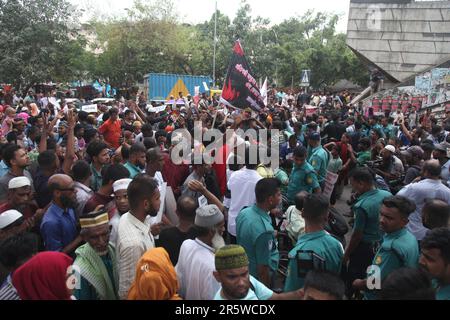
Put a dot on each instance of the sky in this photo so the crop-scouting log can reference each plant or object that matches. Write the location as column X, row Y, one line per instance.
column 197, row 11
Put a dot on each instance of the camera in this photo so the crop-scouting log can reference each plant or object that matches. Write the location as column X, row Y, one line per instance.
column 375, row 164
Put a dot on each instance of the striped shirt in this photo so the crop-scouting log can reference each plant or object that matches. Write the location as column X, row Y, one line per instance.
column 7, row 290
column 133, row 240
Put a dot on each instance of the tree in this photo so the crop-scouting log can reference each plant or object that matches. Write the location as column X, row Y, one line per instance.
column 34, row 35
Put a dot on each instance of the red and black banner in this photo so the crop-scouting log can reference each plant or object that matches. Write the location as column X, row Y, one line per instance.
column 240, row 89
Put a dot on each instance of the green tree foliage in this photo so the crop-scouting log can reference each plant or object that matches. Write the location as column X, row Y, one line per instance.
column 36, row 43
column 150, row 38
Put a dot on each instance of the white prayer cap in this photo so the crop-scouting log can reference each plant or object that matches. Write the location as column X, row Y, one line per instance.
column 121, row 184
column 9, row 217
column 19, row 182
column 390, row 148
column 208, row 216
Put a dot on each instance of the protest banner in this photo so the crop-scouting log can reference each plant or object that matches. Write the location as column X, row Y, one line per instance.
column 330, row 181
column 240, row 89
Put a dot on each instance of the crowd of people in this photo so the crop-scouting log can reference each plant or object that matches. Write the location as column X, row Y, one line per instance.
column 93, row 206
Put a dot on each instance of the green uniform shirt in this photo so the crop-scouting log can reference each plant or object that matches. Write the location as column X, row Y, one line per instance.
column 134, row 171
column 283, row 177
column 363, row 157
column 255, row 233
column 318, row 158
column 443, row 292
column 96, row 179
column 399, row 249
column 324, row 245
column 303, row 178
column 367, row 214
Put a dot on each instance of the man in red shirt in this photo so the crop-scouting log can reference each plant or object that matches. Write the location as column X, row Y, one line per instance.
column 112, row 129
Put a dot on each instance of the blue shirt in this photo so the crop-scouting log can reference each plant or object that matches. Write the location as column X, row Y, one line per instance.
column 58, row 228
column 3, row 168
column 419, row 192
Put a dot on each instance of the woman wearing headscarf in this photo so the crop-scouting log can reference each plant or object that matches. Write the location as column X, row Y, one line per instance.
column 156, row 278
column 43, row 277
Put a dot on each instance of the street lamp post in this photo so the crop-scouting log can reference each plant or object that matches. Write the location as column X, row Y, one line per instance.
column 276, row 61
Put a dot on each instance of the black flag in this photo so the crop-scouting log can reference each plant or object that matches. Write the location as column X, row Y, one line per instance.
column 240, row 89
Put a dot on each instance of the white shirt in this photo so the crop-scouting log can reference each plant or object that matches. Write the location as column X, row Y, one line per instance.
column 195, row 269
column 84, row 193
column 445, row 171
column 133, row 240
column 158, row 177
column 242, row 185
column 419, row 192
column 114, row 223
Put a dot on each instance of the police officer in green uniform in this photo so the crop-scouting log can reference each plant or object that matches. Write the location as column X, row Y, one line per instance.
column 255, row 232
column 318, row 157
column 435, row 259
column 303, row 177
column 366, row 234
column 316, row 249
column 398, row 249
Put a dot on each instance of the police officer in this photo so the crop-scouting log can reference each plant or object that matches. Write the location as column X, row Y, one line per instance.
column 303, row 176
column 318, row 157
column 316, row 249
column 399, row 247
column 366, row 234
column 256, row 234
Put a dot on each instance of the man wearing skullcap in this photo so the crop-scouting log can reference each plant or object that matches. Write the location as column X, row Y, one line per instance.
column 237, row 284
column 96, row 260
column 122, row 205
column 196, row 261
column 20, row 199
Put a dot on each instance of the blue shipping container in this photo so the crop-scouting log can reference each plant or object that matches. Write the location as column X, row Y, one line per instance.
column 160, row 86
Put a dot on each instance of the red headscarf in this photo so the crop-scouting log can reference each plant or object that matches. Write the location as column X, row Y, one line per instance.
column 43, row 277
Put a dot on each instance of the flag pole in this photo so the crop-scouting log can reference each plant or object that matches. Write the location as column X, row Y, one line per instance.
column 215, row 44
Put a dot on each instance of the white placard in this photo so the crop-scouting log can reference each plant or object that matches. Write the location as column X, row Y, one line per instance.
column 162, row 190
column 156, row 109
column 330, row 181
column 202, row 201
column 91, row 108
column 171, row 207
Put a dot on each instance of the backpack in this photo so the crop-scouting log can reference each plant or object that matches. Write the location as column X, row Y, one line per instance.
column 336, row 223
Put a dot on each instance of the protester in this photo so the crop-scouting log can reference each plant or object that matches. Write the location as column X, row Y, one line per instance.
column 134, row 237
column 429, row 188
column 59, row 226
column 155, row 278
column 43, row 277
column 96, row 260
column 196, row 260
column 231, row 264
